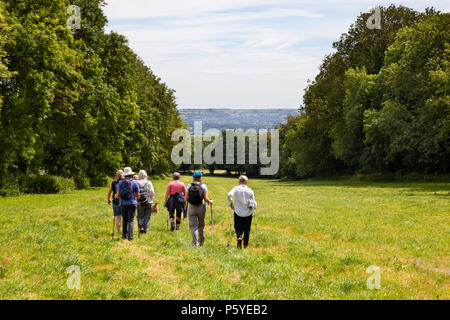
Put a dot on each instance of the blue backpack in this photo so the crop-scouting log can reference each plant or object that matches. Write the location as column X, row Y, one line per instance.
column 126, row 189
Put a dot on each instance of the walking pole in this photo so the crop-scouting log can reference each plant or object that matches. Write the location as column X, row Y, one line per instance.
column 187, row 219
column 114, row 226
column 167, row 216
column 256, row 227
column 212, row 224
column 231, row 231
column 139, row 229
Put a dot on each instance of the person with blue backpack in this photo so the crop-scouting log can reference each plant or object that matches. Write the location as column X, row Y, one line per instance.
column 128, row 195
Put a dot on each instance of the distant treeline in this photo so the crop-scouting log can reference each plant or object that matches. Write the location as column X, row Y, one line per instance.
column 76, row 104
column 380, row 103
column 247, row 154
column 222, row 119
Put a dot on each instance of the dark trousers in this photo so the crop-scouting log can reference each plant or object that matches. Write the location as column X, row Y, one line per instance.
column 144, row 215
column 128, row 212
column 176, row 206
column 242, row 226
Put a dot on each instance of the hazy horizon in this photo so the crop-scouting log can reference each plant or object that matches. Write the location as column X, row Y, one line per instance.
column 238, row 107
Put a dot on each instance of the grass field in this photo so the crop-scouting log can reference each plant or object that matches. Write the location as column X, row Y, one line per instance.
column 317, row 238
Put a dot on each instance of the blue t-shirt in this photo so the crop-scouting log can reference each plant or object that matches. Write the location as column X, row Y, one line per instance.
column 135, row 188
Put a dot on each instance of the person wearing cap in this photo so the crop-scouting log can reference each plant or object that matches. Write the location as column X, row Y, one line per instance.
column 174, row 198
column 197, row 196
column 244, row 203
column 128, row 203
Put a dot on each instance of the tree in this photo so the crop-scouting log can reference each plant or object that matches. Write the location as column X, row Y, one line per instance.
column 329, row 136
column 77, row 103
column 411, row 131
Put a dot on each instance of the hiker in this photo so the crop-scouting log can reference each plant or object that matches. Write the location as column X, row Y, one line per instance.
column 115, row 202
column 145, row 205
column 128, row 193
column 136, row 177
column 196, row 196
column 174, row 200
column 244, row 202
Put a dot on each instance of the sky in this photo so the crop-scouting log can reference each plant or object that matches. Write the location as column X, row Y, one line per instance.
column 238, row 53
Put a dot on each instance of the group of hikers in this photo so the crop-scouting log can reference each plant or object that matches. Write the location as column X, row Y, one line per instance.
column 129, row 193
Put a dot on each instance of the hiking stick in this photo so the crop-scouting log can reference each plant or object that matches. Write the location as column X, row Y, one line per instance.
column 187, row 219
column 114, row 226
column 167, row 216
column 256, row 227
column 212, row 224
column 139, row 228
column 231, row 230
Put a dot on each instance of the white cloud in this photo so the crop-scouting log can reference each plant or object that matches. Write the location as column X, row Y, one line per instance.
column 225, row 53
column 138, row 9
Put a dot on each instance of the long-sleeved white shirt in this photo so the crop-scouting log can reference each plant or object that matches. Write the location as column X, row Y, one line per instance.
column 150, row 189
column 244, row 200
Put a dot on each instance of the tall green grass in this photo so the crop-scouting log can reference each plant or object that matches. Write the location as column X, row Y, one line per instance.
column 317, row 239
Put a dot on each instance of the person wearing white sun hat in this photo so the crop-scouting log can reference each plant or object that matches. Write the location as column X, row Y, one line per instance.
column 128, row 194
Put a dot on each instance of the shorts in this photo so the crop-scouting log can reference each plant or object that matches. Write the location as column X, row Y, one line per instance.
column 116, row 210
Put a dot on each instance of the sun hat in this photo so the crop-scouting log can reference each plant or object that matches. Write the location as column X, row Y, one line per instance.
column 128, row 172
column 197, row 174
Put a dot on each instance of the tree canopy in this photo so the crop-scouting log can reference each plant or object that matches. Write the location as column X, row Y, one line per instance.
column 380, row 102
column 77, row 103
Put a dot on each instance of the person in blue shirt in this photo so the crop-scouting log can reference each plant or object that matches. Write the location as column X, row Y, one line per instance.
column 128, row 195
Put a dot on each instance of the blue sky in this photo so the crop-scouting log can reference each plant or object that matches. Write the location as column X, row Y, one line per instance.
column 238, row 53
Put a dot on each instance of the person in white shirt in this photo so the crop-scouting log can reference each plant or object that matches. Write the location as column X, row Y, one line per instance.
column 244, row 202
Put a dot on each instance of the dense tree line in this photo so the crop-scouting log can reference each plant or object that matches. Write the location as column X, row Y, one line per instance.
column 77, row 103
column 242, row 154
column 380, row 103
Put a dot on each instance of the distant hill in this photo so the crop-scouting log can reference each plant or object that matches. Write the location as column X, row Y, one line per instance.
column 236, row 118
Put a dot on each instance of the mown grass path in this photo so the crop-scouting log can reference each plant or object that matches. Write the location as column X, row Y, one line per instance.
column 317, row 239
